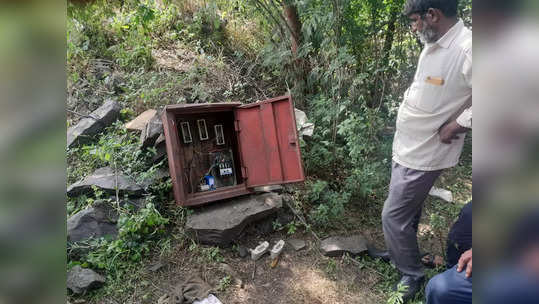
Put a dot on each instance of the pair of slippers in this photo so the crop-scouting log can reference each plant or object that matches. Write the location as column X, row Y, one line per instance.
column 261, row 249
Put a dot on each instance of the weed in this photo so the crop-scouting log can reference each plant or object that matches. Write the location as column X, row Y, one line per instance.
column 206, row 255
column 224, row 283
column 277, row 226
column 164, row 246
column 331, row 269
column 291, row 228
column 213, row 255
column 395, row 297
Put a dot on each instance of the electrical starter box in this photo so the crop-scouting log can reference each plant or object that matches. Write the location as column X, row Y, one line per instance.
column 222, row 150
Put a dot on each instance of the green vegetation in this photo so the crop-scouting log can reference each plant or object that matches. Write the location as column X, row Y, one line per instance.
column 224, row 283
column 347, row 66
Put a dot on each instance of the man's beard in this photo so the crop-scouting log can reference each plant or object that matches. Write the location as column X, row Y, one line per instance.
column 428, row 34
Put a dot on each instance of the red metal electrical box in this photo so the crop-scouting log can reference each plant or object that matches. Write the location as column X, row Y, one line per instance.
column 222, row 150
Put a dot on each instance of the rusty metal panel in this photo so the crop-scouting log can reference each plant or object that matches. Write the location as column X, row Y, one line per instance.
column 268, row 142
column 285, row 121
column 216, row 195
column 175, row 160
column 202, row 107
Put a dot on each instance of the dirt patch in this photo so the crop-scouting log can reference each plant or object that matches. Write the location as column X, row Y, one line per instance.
column 303, row 276
column 300, row 277
column 177, row 59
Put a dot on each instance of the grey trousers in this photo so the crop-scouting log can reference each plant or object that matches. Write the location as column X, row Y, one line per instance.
column 400, row 217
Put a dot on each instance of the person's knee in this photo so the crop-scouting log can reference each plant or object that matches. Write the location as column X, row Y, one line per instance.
column 437, row 290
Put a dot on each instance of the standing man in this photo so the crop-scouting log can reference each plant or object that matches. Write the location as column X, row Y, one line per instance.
column 432, row 118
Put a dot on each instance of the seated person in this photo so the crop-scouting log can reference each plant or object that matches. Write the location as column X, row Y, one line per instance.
column 516, row 278
column 454, row 286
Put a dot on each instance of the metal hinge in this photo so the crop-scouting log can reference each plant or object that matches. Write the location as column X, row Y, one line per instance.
column 237, row 125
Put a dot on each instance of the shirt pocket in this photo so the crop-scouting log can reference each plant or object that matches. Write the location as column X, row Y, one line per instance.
column 425, row 96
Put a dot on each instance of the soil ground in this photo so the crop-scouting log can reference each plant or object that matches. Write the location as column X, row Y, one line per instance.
column 304, row 276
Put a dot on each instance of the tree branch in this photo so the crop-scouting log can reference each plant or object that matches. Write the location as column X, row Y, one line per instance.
column 266, row 11
column 292, row 32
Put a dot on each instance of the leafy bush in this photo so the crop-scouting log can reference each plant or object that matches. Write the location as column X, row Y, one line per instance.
column 123, row 32
column 328, row 205
column 207, row 23
column 117, row 148
column 137, row 232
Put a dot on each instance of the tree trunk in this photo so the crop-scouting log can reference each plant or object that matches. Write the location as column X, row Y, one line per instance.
column 300, row 66
column 379, row 83
column 294, row 24
column 390, row 34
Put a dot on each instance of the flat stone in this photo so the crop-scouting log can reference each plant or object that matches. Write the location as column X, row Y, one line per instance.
column 337, row 245
column 301, row 118
column 152, row 131
column 99, row 119
column 305, row 128
column 95, row 221
column 140, row 121
column 160, row 149
column 223, row 222
column 81, row 279
column 297, row 244
column 105, row 179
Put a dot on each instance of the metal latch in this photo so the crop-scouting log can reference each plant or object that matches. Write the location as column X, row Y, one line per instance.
column 292, row 139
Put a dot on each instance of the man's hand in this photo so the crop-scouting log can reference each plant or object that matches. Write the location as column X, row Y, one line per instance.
column 466, row 261
column 450, row 131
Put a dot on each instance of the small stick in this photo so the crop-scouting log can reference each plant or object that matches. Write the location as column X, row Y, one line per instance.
column 116, row 185
column 254, row 271
column 366, row 266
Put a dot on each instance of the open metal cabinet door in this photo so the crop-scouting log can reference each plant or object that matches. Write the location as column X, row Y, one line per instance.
column 268, row 142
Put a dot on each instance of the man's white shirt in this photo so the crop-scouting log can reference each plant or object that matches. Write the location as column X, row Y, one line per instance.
column 442, row 86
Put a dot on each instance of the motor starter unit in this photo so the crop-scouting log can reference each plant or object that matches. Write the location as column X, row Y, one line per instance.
column 222, row 150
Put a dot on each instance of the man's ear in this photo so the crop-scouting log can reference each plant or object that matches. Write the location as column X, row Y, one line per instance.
column 434, row 14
